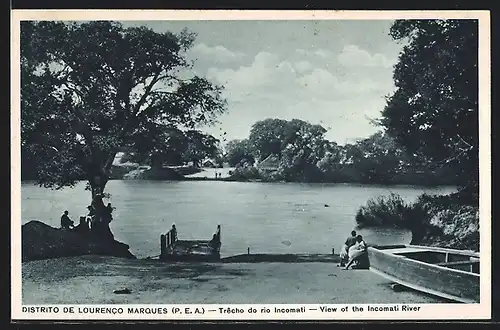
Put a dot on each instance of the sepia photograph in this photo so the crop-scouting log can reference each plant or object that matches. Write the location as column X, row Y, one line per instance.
column 306, row 164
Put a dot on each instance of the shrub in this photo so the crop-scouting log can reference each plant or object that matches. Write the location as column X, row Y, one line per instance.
column 244, row 173
column 446, row 221
column 384, row 211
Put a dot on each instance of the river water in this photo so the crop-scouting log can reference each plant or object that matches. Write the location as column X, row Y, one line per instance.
column 265, row 217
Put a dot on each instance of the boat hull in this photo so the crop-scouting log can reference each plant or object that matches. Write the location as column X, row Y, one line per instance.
column 452, row 284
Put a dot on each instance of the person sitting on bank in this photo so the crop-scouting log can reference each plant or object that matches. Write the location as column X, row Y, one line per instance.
column 84, row 226
column 344, row 253
column 109, row 212
column 66, row 222
column 357, row 251
column 174, row 233
column 214, row 243
column 91, row 217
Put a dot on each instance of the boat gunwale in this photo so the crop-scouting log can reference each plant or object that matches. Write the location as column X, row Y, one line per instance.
column 423, row 289
column 386, row 252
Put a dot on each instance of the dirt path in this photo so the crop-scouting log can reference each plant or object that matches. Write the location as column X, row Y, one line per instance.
column 91, row 280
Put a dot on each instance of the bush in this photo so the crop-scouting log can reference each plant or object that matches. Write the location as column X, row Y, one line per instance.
column 446, row 221
column 384, row 211
column 245, row 173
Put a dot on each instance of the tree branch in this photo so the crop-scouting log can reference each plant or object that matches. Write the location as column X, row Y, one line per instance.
column 147, row 92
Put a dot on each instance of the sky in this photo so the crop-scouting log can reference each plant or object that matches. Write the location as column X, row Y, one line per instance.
column 331, row 72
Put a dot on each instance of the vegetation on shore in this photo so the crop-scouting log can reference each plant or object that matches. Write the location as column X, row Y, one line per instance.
column 302, row 154
column 434, row 114
column 446, row 221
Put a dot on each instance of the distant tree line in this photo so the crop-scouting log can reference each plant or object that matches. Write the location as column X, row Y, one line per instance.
column 305, row 155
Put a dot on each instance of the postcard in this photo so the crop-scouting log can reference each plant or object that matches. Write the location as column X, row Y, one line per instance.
column 250, row 165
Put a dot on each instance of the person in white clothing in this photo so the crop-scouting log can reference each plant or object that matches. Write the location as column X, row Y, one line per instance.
column 356, row 251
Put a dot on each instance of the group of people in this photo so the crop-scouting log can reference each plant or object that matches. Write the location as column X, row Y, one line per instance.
column 92, row 221
column 354, row 252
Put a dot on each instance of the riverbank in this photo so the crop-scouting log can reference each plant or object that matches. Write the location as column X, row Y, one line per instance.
column 132, row 171
column 449, row 221
column 40, row 241
column 92, row 280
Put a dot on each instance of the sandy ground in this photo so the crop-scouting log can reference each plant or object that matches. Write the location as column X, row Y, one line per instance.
column 210, row 173
column 92, row 280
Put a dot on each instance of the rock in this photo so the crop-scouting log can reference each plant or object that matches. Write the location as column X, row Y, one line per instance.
column 123, row 291
column 326, row 205
column 40, row 241
column 398, row 287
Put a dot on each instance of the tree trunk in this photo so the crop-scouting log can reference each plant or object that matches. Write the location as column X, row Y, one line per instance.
column 101, row 223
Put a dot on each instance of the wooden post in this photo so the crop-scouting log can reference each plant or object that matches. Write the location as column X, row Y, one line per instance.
column 168, row 239
column 248, row 250
column 163, row 246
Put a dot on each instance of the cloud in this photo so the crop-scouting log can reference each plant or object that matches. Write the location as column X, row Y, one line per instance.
column 303, row 66
column 352, row 56
column 219, row 53
column 323, row 82
column 323, row 53
column 268, row 77
column 259, row 73
column 318, row 53
column 271, row 86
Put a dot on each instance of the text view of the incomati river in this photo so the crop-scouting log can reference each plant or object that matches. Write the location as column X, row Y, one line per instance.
column 286, row 218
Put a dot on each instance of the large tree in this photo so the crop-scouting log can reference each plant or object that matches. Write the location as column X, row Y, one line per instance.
column 89, row 89
column 239, row 151
column 267, row 137
column 199, row 146
column 434, row 110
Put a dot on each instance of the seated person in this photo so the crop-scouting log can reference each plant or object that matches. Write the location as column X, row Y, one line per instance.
column 83, row 226
column 344, row 253
column 214, row 243
column 357, row 251
column 66, row 222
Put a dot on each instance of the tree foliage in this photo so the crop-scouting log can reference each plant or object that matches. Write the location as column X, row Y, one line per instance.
column 239, row 151
column 89, row 89
column 305, row 155
column 267, row 137
column 199, row 147
column 434, row 110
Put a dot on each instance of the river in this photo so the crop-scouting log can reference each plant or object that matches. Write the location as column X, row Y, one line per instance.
column 266, row 217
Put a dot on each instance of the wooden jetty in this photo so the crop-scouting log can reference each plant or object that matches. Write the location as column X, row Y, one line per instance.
column 174, row 249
